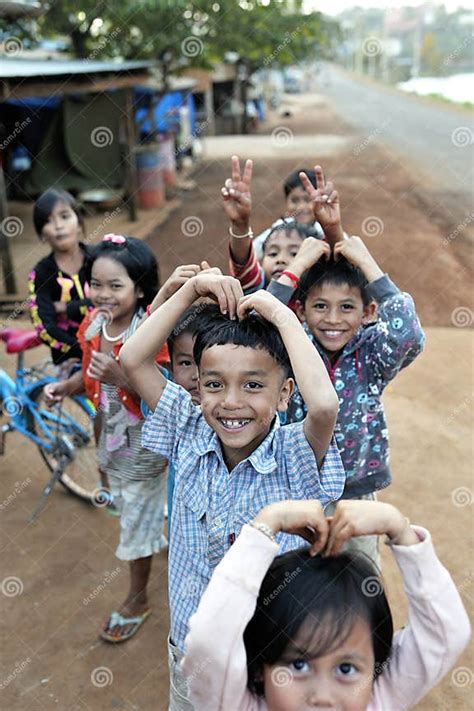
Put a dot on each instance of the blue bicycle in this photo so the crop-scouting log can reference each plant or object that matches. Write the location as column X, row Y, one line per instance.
column 64, row 434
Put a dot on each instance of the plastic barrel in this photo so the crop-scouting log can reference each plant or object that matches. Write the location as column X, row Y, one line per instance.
column 168, row 159
column 151, row 188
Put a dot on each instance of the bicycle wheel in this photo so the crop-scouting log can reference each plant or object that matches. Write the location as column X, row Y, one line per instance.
column 73, row 425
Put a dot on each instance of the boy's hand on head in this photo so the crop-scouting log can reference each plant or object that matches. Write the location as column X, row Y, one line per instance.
column 355, row 251
column 301, row 518
column 179, row 277
column 367, row 518
column 268, row 307
column 237, row 196
column 311, row 251
column 226, row 290
column 325, row 201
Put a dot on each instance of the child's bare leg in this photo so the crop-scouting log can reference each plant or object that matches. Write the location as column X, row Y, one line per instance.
column 136, row 602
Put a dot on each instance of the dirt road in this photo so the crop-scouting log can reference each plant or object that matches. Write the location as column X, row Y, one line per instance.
column 67, row 578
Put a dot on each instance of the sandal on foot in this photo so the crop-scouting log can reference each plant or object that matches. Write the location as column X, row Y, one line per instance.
column 116, row 619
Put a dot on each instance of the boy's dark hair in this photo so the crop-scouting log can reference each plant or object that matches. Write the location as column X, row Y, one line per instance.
column 289, row 224
column 188, row 323
column 139, row 261
column 308, row 606
column 294, row 181
column 45, row 204
column 338, row 273
column 215, row 329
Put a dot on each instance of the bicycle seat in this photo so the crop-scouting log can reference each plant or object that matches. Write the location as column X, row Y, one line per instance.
column 18, row 340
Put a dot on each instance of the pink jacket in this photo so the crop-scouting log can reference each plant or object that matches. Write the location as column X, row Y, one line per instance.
column 215, row 663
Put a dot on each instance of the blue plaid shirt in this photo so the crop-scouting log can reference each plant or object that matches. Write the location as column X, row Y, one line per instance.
column 211, row 504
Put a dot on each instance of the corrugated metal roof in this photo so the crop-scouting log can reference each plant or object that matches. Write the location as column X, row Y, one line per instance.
column 14, row 10
column 11, row 68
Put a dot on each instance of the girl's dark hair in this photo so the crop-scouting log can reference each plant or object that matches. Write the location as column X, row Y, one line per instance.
column 308, row 606
column 294, row 181
column 45, row 204
column 289, row 224
column 339, row 273
column 215, row 329
column 139, row 261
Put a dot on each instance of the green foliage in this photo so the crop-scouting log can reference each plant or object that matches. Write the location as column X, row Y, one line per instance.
column 261, row 31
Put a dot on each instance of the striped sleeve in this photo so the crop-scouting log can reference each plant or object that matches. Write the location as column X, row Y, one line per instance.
column 250, row 274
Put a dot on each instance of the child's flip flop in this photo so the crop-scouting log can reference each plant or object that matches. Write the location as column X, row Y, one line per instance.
column 116, row 619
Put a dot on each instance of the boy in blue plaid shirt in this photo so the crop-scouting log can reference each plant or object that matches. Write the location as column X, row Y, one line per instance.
column 230, row 454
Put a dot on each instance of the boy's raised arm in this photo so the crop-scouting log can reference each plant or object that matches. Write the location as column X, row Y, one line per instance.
column 137, row 355
column 310, row 373
column 238, row 206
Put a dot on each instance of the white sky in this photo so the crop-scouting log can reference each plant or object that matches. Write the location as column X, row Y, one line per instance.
column 334, row 7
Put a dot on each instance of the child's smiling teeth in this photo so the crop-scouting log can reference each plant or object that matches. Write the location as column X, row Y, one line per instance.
column 233, row 424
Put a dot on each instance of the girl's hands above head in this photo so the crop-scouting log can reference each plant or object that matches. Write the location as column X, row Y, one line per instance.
column 311, row 251
column 179, row 277
column 301, row 518
column 367, row 518
column 105, row 368
column 268, row 307
column 325, row 200
column 237, row 196
column 226, row 290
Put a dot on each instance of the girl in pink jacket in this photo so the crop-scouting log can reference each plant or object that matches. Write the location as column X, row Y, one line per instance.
column 303, row 631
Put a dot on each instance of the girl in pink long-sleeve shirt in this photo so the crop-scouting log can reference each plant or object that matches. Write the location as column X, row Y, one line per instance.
column 305, row 631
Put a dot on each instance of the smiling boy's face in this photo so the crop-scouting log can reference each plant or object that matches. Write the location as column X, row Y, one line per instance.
column 241, row 390
column 334, row 313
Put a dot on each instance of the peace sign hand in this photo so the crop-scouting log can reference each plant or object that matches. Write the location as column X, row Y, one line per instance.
column 326, row 206
column 236, row 195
